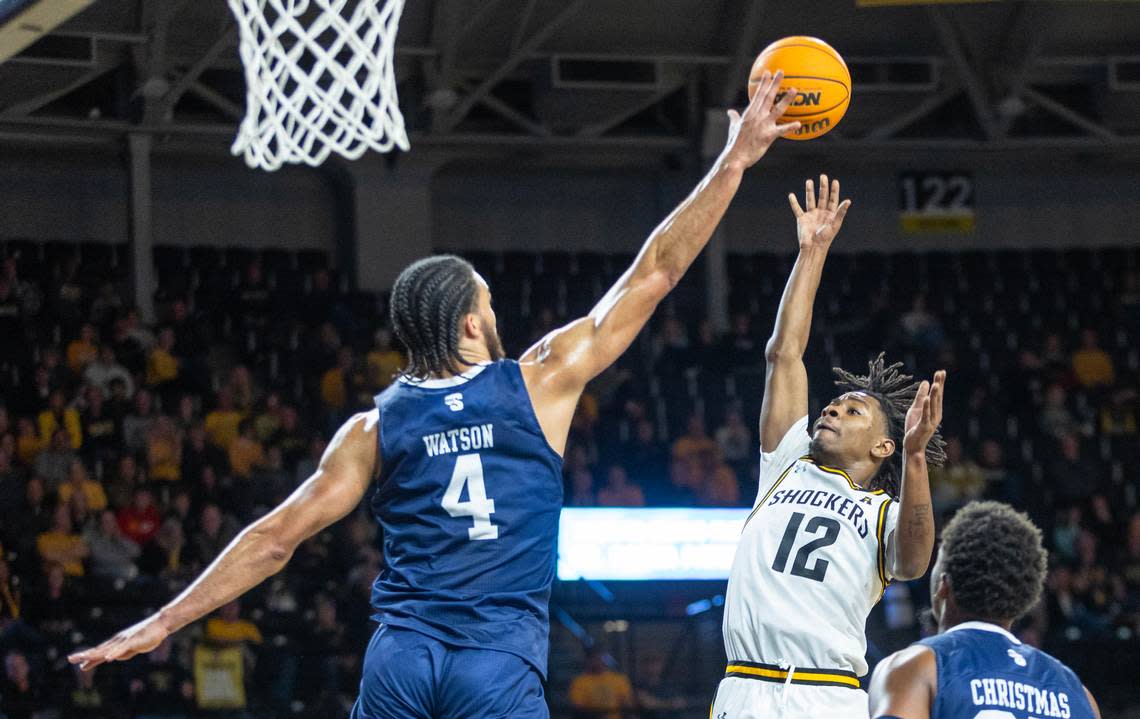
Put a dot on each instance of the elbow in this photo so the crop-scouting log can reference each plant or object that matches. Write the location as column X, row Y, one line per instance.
column 908, row 569
column 779, row 349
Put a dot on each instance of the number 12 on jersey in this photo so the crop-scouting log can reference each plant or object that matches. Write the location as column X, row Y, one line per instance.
column 469, row 470
column 800, row 567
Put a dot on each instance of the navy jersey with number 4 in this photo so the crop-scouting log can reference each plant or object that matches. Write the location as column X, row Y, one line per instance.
column 984, row 672
column 469, row 499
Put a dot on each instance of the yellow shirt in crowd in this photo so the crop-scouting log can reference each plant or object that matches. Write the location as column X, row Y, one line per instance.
column 607, row 691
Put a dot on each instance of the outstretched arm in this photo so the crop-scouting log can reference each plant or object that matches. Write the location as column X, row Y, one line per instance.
column 264, row 547
column 910, row 545
column 560, row 364
column 904, row 684
column 786, row 382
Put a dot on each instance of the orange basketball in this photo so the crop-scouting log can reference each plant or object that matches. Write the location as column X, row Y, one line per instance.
column 821, row 79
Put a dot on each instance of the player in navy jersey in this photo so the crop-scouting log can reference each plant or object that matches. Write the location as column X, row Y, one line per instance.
column 466, row 450
column 989, row 572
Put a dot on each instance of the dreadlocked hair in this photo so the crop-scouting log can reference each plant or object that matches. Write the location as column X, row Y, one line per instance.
column 428, row 301
column 895, row 393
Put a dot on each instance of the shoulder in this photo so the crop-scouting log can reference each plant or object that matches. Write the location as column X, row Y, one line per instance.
column 916, row 663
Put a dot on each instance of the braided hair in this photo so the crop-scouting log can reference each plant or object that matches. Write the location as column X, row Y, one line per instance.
column 895, row 392
column 429, row 299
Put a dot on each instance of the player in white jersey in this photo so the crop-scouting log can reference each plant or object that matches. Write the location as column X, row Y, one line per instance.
column 843, row 507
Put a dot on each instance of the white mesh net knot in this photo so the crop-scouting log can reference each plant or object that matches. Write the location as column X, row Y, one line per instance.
column 317, row 81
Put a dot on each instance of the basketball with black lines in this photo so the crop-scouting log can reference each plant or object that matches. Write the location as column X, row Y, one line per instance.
column 820, row 77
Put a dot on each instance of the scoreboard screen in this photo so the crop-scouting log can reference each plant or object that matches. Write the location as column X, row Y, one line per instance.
column 602, row 543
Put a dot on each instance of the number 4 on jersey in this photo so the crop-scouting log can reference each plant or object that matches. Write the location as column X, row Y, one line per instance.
column 469, row 470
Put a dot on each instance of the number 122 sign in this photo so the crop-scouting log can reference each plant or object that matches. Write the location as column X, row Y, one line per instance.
column 936, row 201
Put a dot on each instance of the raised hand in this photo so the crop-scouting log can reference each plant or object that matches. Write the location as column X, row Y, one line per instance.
column 924, row 415
column 818, row 225
column 138, row 639
column 752, row 133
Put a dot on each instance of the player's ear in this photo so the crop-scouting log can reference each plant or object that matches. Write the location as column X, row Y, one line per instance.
column 472, row 328
column 884, row 448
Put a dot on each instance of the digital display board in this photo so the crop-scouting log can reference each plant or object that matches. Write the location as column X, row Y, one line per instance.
column 602, row 543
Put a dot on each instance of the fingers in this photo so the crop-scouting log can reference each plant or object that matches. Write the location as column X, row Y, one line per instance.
column 785, row 102
column 937, row 393
column 733, row 116
column 787, row 128
column 796, row 209
column 841, row 212
column 824, row 195
column 771, row 89
column 809, row 195
column 922, row 393
column 834, row 195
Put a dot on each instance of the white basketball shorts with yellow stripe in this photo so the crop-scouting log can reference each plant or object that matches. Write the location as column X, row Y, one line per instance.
column 762, row 691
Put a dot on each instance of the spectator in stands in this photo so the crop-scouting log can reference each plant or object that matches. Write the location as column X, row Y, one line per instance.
column 328, row 653
column 1065, row 532
column 1092, row 366
column 215, row 532
column 227, row 627
column 140, row 519
column 671, row 357
column 740, row 347
column 106, row 368
column 23, row 695
column 246, row 453
column 101, row 440
column 59, row 416
column 11, row 320
column 647, row 458
column 164, row 451
column 1127, row 567
column 222, row 422
column 119, row 403
column 197, row 454
column 125, row 478
column 83, row 350
column 158, row 687
column 686, row 452
column 35, row 516
column 267, row 422
column 187, row 415
column 87, row 698
column 577, row 476
column 162, row 366
column 334, row 385
column 11, row 487
column 959, row 481
column 1055, row 417
column 112, row 555
column 168, row 556
column 600, row 692
column 11, row 596
column 54, row 463
column 28, row 444
column 1073, row 477
column 137, row 424
column 706, row 354
column 618, row 491
column 1002, row 483
column 719, row 485
column 79, row 482
column 384, row 361
column 735, row 442
column 1118, row 414
column 921, row 331
column 61, row 545
column 243, row 389
column 291, row 437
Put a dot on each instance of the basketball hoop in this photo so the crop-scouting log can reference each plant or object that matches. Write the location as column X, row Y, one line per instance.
column 318, row 80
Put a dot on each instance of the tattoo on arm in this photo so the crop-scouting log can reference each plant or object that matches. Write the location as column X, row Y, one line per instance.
column 916, row 525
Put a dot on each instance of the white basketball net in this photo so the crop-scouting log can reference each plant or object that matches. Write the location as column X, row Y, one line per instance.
column 317, row 81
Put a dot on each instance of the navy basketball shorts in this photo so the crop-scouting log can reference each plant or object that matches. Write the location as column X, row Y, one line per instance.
column 408, row 675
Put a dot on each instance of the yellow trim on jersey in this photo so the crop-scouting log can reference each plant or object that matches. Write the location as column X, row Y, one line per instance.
column 798, row 677
column 841, row 473
column 880, row 530
column 768, row 494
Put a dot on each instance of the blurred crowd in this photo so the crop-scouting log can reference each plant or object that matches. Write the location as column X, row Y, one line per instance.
column 132, row 453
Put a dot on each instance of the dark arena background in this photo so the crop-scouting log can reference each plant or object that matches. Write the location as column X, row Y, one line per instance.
column 180, row 335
